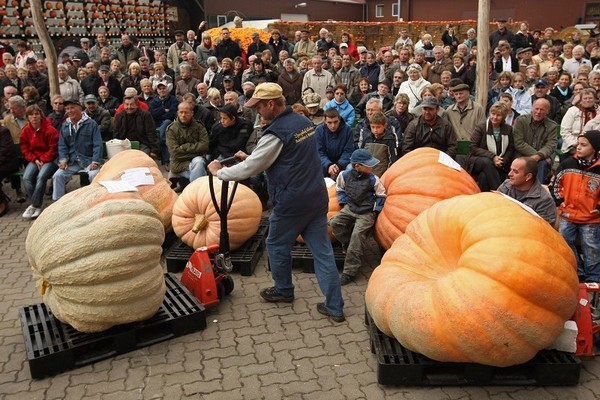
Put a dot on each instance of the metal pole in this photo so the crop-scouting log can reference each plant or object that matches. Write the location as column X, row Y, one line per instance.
column 483, row 51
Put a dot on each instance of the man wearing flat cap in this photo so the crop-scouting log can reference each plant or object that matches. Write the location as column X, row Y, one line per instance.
column 84, row 53
column 524, row 55
column 99, row 115
column 174, row 57
column 79, row 147
column 257, row 45
column 35, row 78
column 305, row 46
column 465, row 114
column 430, row 130
column 287, row 151
column 501, row 34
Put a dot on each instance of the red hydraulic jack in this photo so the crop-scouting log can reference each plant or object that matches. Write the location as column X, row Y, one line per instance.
column 583, row 318
column 210, row 281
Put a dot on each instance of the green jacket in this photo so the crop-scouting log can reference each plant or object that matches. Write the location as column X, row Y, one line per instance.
column 523, row 137
column 185, row 143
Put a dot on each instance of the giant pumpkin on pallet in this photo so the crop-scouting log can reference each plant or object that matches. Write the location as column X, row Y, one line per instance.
column 196, row 222
column 96, row 258
column 160, row 195
column 475, row 279
column 414, row 183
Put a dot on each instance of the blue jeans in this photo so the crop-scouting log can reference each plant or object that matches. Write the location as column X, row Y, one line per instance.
column 162, row 134
column 196, row 169
column 283, row 232
column 543, row 168
column 62, row 176
column 589, row 235
column 34, row 180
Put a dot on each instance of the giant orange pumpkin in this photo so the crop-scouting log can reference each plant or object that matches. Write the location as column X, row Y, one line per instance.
column 414, row 183
column 96, row 258
column 475, row 279
column 196, row 222
column 160, row 195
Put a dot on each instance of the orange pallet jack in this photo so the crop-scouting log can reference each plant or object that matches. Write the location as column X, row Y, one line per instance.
column 209, row 281
column 587, row 323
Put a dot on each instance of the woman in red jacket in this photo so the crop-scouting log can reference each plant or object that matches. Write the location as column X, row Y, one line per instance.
column 39, row 145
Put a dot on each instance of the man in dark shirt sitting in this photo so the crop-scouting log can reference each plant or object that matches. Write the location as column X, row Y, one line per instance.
column 137, row 124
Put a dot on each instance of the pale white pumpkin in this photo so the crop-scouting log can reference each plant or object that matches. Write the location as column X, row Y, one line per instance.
column 96, row 258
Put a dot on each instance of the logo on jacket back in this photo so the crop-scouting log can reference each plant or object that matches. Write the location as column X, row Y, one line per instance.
column 304, row 134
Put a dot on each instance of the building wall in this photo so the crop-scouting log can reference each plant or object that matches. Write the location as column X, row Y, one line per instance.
column 315, row 10
column 552, row 13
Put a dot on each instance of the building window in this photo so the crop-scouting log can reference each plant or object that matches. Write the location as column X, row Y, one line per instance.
column 221, row 20
column 395, row 10
column 379, row 11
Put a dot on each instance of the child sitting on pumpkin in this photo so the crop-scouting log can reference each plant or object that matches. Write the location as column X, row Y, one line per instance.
column 362, row 195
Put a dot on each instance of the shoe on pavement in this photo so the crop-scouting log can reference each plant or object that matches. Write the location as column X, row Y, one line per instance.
column 36, row 212
column 323, row 310
column 29, row 212
column 20, row 197
column 272, row 295
column 346, row 279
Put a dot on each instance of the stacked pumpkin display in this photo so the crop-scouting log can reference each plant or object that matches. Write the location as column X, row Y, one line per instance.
column 96, row 256
column 467, row 278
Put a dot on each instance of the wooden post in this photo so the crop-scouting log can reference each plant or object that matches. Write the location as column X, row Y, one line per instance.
column 483, row 51
column 51, row 57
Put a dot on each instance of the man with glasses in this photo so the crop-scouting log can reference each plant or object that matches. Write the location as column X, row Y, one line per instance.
column 57, row 116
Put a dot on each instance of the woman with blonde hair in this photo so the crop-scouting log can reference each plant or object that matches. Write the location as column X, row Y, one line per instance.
column 115, row 71
column 133, row 78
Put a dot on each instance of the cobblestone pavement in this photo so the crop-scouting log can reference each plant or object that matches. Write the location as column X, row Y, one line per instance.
column 249, row 350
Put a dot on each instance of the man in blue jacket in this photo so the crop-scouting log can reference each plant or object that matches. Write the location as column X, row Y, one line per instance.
column 163, row 109
column 287, row 151
column 335, row 143
column 79, row 147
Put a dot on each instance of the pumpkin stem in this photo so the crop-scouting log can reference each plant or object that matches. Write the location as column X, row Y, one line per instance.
column 45, row 286
column 200, row 223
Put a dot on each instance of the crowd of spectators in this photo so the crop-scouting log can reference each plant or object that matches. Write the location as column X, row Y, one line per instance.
column 543, row 95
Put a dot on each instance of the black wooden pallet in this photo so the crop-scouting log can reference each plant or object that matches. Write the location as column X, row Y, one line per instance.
column 398, row 366
column 303, row 258
column 53, row 346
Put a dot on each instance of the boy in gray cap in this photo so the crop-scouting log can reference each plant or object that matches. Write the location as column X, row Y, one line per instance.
column 362, row 195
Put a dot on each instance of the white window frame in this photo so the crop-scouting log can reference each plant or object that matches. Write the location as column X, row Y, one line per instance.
column 221, row 20
column 395, row 9
column 379, row 8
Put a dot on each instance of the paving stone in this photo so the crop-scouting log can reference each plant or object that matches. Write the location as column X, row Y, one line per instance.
column 250, row 349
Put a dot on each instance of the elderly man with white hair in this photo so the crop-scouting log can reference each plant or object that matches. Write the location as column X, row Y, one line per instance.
column 573, row 64
column 69, row 88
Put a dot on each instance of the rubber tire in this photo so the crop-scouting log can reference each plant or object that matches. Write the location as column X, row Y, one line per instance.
column 228, row 284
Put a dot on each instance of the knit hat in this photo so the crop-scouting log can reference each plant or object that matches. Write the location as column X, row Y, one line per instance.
column 594, row 138
column 311, row 100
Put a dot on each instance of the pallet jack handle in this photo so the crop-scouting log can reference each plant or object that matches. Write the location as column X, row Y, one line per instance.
column 223, row 259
